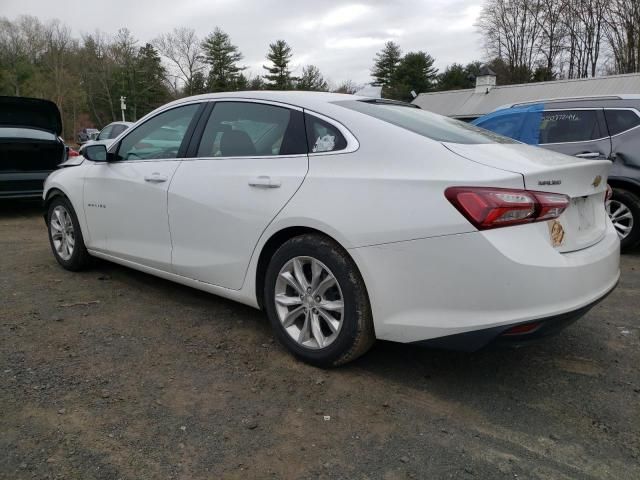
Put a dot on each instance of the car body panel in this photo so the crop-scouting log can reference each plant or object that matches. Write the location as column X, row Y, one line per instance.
column 427, row 270
column 32, row 113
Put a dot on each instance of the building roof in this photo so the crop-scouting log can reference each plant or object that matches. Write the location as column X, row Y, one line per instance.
column 469, row 104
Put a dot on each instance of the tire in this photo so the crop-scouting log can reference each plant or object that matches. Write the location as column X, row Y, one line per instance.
column 62, row 225
column 630, row 204
column 348, row 333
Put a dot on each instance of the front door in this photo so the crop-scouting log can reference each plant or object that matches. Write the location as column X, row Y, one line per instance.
column 126, row 199
column 250, row 160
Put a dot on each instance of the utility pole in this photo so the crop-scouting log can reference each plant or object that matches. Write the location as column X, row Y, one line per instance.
column 123, row 106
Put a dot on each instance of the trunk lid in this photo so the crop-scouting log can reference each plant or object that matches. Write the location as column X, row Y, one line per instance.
column 584, row 181
column 22, row 112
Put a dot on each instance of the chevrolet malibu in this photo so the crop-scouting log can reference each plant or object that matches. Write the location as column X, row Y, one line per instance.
column 347, row 219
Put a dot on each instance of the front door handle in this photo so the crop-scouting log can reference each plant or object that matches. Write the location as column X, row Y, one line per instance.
column 589, row 155
column 155, row 178
column 264, row 181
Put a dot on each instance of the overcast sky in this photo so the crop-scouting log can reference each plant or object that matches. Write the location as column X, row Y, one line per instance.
column 339, row 37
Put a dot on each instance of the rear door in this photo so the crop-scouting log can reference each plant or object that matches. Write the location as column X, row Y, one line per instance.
column 579, row 132
column 247, row 160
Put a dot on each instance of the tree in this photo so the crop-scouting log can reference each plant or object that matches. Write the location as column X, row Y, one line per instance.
column 182, row 48
column 385, row 64
column 312, row 79
column 511, row 33
column 414, row 72
column 256, row 83
column 279, row 77
column 347, row 86
column 457, row 76
column 151, row 88
column 623, row 35
column 222, row 57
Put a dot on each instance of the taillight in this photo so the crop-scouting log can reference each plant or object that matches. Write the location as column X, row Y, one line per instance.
column 488, row 207
column 72, row 152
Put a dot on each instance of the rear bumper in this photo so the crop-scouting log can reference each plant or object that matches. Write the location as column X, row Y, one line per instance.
column 502, row 336
column 22, row 185
column 425, row 289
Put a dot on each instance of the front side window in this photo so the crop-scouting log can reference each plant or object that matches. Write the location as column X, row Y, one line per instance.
column 427, row 124
column 117, row 130
column 322, row 136
column 159, row 137
column 246, row 129
column 620, row 121
column 105, row 133
column 569, row 126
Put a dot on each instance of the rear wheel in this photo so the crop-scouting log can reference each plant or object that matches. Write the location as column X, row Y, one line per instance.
column 317, row 303
column 624, row 211
column 65, row 236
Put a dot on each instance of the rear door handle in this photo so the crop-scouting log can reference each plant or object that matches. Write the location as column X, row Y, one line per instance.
column 264, row 181
column 155, row 178
column 589, row 155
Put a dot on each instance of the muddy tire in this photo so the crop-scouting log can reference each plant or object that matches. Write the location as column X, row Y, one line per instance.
column 317, row 302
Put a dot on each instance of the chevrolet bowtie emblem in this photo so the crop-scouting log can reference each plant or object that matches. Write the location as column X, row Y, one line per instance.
column 596, row 181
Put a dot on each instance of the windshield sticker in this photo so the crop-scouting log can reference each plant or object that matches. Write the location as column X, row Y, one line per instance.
column 325, row 143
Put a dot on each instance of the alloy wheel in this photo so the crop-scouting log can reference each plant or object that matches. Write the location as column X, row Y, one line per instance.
column 309, row 302
column 621, row 217
column 62, row 233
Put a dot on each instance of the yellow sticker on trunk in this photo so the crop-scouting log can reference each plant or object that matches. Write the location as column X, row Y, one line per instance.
column 556, row 232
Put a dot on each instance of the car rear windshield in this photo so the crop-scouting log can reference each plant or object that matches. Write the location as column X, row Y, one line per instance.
column 427, row 124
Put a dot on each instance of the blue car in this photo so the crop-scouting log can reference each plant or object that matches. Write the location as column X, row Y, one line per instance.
column 591, row 128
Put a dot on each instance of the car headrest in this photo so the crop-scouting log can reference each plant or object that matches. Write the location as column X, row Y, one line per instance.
column 236, row 143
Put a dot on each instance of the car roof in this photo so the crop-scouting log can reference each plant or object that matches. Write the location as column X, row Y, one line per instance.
column 589, row 98
column 299, row 98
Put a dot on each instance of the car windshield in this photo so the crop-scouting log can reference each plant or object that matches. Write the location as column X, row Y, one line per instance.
column 427, row 124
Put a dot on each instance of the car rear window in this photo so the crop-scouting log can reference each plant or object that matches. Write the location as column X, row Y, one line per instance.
column 427, row 124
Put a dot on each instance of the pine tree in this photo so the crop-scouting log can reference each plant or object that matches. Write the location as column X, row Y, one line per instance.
column 222, row 57
column 414, row 72
column 312, row 80
column 386, row 63
column 279, row 77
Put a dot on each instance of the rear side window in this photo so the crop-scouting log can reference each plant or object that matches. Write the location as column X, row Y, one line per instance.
column 427, row 124
column 569, row 126
column 322, row 136
column 247, row 129
column 620, row 121
column 507, row 125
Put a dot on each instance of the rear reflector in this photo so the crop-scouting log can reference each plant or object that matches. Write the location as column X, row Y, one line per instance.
column 522, row 329
column 500, row 207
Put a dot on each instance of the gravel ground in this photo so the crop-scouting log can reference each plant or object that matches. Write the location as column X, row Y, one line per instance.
column 114, row 374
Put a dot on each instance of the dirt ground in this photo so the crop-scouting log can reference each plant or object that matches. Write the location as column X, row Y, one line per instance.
column 114, row 374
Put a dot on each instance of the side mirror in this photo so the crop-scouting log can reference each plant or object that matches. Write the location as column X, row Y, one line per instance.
column 95, row 153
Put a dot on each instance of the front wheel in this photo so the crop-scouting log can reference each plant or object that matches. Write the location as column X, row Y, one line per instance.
column 65, row 237
column 624, row 211
column 317, row 302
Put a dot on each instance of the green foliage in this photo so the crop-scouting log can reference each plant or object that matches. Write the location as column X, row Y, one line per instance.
column 222, row 57
column 312, row 80
column 414, row 72
column 279, row 76
column 385, row 64
column 456, row 76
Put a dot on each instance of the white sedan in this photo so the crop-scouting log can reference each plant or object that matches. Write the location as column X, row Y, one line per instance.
column 346, row 219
